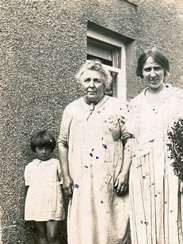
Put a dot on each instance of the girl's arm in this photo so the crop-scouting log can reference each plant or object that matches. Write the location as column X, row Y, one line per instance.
column 63, row 158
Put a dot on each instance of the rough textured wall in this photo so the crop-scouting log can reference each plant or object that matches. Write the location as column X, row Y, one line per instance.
column 43, row 43
column 160, row 24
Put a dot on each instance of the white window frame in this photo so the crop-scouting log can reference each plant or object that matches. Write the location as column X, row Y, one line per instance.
column 121, row 72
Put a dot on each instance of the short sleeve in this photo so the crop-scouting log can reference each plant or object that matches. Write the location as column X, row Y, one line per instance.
column 65, row 126
column 122, row 117
column 27, row 174
column 132, row 117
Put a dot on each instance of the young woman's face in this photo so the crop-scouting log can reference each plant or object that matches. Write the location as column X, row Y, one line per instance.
column 92, row 85
column 43, row 153
column 153, row 74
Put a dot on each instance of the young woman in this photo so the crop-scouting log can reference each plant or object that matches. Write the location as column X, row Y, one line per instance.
column 155, row 196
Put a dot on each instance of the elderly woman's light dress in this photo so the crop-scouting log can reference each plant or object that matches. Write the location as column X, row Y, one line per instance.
column 91, row 134
column 155, row 195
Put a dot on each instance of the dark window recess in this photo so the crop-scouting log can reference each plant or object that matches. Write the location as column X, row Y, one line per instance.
column 104, row 61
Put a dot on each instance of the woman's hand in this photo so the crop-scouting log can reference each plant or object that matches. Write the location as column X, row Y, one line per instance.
column 121, row 184
column 68, row 185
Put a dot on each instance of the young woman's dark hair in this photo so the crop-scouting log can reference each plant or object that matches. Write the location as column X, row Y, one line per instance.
column 42, row 139
column 158, row 57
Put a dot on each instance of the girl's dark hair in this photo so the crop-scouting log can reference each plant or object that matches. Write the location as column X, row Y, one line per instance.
column 158, row 57
column 42, row 139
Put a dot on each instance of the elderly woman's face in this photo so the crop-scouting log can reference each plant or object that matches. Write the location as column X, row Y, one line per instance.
column 153, row 74
column 92, row 85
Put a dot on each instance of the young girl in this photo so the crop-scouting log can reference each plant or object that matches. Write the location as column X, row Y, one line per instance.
column 44, row 203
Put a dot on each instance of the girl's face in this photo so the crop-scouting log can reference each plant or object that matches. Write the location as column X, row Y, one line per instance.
column 92, row 85
column 43, row 153
column 153, row 74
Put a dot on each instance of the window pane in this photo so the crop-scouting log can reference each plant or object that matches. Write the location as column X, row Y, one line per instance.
column 99, row 51
column 108, row 54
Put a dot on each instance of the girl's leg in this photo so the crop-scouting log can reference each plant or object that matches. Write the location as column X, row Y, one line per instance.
column 53, row 231
column 42, row 232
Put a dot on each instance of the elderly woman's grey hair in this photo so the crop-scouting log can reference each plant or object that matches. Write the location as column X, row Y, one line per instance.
column 95, row 65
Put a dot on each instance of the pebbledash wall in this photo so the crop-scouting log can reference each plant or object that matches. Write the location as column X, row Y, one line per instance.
column 44, row 43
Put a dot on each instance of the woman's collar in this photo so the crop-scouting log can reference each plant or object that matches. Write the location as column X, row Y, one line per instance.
column 100, row 102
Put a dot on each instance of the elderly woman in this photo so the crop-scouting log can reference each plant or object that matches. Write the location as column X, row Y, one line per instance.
column 154, row 189
column 91, row 154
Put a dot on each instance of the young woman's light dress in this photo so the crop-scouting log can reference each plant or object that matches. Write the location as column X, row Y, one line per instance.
column 155, row 196
column 96, row 214
column 44, row 197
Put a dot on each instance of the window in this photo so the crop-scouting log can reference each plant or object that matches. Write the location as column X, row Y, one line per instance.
column 110, row 49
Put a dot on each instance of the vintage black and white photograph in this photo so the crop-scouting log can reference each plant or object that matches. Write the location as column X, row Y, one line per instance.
column 91, row 122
